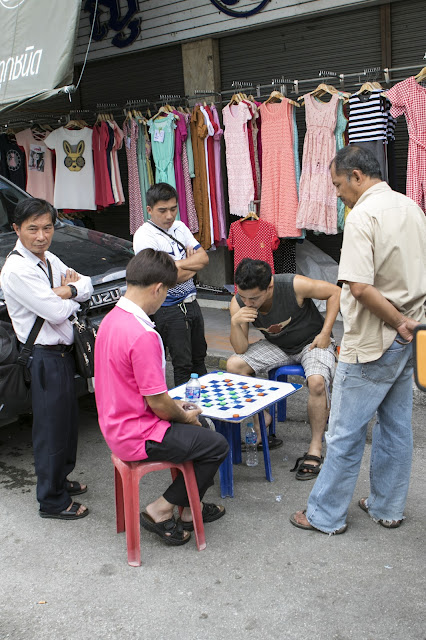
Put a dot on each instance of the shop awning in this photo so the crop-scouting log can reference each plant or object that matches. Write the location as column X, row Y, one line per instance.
column 36, row 49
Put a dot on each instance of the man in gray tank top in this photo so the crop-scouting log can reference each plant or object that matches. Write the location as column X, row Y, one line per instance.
column 281, row 306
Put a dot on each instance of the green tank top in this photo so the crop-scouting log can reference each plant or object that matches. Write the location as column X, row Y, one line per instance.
column 287, row 325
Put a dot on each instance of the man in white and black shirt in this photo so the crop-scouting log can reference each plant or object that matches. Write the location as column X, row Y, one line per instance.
column 179, row 321
column 36, row 283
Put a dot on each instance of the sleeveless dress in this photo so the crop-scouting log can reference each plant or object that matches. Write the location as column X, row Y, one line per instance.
column 317, row 195
column 240, row 175
column 279, row 189
column 339, row 133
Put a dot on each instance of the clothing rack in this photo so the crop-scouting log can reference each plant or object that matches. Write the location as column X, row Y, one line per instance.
column 324, row 76
column 33, row 118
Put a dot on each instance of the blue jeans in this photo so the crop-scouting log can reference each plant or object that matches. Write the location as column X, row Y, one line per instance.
column 359, row 391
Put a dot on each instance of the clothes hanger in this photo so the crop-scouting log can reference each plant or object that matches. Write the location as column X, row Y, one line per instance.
column 277, row 96
column 323, row 89
column 75, row 124
column 369, row 87
column 252, row 215
column 162, row 111
column 421, row 77
column 236, row 99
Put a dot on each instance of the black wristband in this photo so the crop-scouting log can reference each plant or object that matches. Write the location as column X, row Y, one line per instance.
column 74, row 292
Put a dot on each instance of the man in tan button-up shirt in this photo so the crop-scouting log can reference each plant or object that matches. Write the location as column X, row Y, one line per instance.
column 383, row 270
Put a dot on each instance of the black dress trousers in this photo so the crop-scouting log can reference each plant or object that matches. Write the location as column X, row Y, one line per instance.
column 55, row 426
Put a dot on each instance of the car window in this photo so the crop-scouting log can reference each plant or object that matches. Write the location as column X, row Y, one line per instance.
column 9, row 198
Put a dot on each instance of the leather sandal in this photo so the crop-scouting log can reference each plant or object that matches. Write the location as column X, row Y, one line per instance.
column 70, row 514
column 307, row 471
column 210, row 513
column 170, row 531
column 74, row 488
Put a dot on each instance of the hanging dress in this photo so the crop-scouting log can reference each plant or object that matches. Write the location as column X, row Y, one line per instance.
column 131, row 134
column 220, row 198
column 188, row 173
column 409, row 98
column 339, row 134
column 240, row 175
column 317, row 196
column 279, row 191
column 180, row 140
column 142, row 166
column 162, row 132
column 200, row 182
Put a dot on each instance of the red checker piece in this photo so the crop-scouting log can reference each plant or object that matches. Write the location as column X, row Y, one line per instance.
column 260, row 394
column 245, row 386
column 258, row 386
column 249, row 400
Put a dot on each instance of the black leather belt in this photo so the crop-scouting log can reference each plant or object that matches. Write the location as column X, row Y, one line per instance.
column 62, row 348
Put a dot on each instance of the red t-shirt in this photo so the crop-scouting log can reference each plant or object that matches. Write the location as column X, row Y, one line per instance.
column 254, row 239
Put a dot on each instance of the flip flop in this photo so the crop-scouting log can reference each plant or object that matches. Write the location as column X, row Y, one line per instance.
column 171, row 531
column 71, row 514
column 73, row 488
column 210, row 513
column 309, row 527
column 394, row 524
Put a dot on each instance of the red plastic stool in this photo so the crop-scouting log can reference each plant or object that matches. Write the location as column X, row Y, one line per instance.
column 127, row 477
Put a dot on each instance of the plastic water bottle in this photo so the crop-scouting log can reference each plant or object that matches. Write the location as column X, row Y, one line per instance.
column 251, row 448
column 193, row 390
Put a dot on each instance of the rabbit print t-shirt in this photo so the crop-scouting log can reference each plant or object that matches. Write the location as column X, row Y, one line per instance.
column 75, row 177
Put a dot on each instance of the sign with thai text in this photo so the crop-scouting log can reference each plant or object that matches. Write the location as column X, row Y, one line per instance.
column 36, row 47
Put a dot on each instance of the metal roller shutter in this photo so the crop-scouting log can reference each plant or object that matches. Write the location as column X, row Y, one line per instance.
column 340, row 42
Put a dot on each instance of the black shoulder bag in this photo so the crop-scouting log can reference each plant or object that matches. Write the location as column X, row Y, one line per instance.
column 15, row 375
column 84, row 341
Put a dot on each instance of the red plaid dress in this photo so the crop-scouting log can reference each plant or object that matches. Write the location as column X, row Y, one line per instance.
column 409, row 98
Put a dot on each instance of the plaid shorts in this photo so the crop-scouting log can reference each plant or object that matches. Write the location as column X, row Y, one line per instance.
column 263, row 355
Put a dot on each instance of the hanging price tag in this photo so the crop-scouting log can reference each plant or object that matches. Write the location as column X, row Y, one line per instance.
column 128, row 141
column 159, row 135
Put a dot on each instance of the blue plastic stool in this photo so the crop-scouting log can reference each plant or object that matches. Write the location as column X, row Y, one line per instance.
column 281, row 374
column 232, row 432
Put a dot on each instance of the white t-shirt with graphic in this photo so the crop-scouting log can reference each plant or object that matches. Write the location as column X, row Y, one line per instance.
column 75, row 176
column 40, row 181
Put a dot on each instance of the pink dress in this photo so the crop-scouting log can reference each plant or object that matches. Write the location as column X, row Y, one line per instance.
column 240, row 176
column 279, row 191
column 131, row 132
column 317, row 194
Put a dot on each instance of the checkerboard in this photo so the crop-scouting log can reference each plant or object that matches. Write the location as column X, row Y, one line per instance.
column 230, row 397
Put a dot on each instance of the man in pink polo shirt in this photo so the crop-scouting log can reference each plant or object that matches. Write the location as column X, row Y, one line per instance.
column 138, row 418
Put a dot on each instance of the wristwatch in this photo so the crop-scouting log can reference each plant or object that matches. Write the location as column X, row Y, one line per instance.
column 74, row 292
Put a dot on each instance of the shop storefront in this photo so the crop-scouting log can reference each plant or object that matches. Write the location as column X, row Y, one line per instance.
column 143, row 54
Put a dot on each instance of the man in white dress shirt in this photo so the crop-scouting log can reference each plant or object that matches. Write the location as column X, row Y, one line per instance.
column 36, row 283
